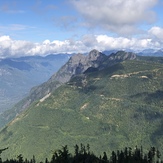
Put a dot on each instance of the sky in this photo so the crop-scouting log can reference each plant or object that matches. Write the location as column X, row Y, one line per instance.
column 42, row 27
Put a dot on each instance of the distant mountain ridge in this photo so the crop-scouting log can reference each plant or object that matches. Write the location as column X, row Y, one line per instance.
column 21, row 65
column 151, row 52
column 145, row 52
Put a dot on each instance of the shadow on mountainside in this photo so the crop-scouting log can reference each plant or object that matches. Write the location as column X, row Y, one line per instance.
column 157, row 135
column 158, row 95
column 149, row 98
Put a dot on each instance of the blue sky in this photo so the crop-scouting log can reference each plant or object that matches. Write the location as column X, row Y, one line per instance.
column 41, row 27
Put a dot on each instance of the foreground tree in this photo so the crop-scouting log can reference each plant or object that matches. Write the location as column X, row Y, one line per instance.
column 82, row 154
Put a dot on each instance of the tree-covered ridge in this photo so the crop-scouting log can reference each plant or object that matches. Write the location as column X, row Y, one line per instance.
column 83, row 154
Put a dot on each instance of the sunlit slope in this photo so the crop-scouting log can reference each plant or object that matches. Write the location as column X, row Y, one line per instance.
column 116, row 107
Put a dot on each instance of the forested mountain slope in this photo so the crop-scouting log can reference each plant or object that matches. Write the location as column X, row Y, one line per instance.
column 108, row 108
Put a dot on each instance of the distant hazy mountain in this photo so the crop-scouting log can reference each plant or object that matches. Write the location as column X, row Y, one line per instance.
column 145, row 52
column 19, row 75
column 107, row 101
column 151, row 52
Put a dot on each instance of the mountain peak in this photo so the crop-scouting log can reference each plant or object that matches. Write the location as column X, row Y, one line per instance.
column 94, row 51
column 95, row 54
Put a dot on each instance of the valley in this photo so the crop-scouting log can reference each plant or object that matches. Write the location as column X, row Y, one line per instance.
column 19, row 75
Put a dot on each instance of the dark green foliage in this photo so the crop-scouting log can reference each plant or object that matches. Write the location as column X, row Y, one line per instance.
column 83, row 155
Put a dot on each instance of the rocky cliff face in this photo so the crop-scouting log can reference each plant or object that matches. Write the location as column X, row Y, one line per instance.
column 77, row 64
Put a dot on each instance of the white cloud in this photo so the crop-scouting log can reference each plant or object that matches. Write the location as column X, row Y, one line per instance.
column 157, row 32
column 105, row 42
column 120, row 16
column 16, row 48
column 9, row 47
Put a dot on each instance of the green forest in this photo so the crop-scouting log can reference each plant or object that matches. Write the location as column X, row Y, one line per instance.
column 109, row 109
column 83, row 154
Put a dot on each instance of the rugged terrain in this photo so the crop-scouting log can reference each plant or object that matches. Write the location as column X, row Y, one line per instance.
column 107, row 101
column 77, row 64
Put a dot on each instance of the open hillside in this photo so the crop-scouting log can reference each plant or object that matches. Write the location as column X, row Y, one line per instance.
column 108, row 108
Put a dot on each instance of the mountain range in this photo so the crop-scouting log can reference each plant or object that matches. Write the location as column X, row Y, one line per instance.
column 19, row 75
column 151, row 52
column 77, row 64
column 107, row 101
